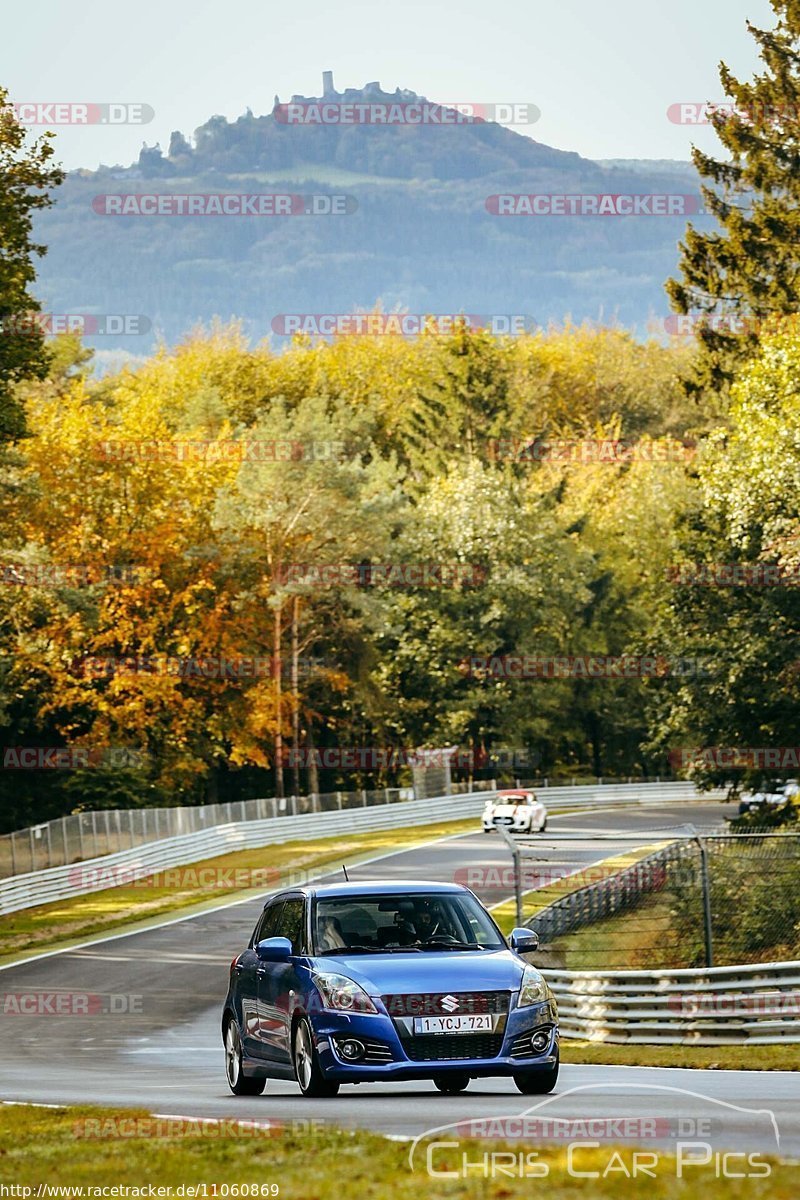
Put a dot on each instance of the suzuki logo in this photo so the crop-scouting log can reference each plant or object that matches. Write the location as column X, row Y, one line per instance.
column 449, row 1003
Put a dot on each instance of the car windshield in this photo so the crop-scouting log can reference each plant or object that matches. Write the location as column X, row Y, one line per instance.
column 414, row 921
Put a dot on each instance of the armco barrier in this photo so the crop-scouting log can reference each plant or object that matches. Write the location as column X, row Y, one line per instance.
column 710, row 1006
column 93, row 875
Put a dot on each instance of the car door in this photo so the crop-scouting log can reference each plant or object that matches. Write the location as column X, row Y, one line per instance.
column 279, row 983
column 249, row 975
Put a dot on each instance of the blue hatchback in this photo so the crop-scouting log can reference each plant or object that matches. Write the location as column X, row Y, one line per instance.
column 359, row 982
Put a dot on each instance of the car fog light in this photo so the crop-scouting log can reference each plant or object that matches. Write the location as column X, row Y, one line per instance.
column 352, row 1049
column 540, row 1041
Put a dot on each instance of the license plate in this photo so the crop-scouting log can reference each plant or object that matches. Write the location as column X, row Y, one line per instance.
column 467, row 1023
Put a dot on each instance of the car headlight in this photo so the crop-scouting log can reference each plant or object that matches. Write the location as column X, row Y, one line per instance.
column 533, row 989
column 339, row 992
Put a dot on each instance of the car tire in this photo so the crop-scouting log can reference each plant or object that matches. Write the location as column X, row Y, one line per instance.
column 543, row 826
column 239, row 1083
column 451, row 1085
column 311, row 1081
column 536, row 1083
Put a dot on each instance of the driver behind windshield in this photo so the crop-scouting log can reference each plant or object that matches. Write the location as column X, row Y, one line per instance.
column 428, row 920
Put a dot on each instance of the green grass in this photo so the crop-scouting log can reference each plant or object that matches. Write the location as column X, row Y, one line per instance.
column 82, row 916
column 782, row 1057
column 45, row 1146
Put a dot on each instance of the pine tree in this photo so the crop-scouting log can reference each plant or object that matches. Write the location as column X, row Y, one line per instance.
column 750, row 268
column 25, row 178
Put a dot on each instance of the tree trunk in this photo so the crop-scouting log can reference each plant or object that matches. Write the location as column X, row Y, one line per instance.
column 277, row 663
column 295, row 696
column 313, row 774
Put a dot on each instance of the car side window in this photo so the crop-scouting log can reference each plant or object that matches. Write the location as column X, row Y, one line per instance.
column 292, row 924
column 268, row 925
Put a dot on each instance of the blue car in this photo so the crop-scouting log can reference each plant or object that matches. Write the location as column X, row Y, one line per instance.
column 361, row 982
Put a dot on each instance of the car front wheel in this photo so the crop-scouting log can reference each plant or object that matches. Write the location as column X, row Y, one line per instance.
column 239, row 1083
column 306, row 1063
column 451, row 1085
column 536, row 1083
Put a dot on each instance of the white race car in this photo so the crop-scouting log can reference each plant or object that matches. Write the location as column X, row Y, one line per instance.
column 518, row 811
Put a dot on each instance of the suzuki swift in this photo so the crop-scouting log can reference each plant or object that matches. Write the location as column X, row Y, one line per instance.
column 361, row 982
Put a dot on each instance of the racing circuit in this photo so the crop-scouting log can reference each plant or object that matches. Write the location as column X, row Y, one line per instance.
column 161, row 1050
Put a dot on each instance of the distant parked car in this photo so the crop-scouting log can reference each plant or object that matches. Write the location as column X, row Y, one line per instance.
column 773, row 798
column 517, row 810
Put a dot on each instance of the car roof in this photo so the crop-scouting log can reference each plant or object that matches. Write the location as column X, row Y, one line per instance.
column 374, row 887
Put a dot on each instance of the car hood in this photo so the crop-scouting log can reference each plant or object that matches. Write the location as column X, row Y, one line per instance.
column 429, row 971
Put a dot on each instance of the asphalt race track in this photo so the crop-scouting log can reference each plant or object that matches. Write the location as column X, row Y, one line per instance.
column 166, row 1054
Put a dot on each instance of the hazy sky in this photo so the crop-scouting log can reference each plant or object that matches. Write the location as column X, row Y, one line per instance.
column 603, row 75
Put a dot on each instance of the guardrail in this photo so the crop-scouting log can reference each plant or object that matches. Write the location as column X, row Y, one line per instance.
column 710, row 1006
column 84, row 835
column 97, row 874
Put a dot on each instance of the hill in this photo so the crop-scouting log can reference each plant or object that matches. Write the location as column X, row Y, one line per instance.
column 418, row 234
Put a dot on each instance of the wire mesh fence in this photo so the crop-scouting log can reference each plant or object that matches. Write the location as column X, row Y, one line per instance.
column 85, row 835
column 719, row 899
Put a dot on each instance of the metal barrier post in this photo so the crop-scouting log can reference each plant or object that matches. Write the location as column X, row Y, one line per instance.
column 517, row 857
column 707, row 926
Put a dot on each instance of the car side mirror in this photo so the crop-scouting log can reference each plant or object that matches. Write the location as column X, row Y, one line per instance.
column 524, row 941
column 274, row 949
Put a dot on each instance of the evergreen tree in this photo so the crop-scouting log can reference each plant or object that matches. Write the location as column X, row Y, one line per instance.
column 750, row 267
column 25, row 177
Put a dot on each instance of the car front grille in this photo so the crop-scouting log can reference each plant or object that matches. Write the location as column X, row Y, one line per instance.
column 428, row 1048
column 443, row 1004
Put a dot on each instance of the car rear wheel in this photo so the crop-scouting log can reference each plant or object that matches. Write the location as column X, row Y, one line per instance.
column 306, row 1064
column 536, row 1083
column 451, row 1084
column 239, row 1083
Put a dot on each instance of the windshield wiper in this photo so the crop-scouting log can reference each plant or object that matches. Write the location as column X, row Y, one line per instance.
column 435, row 944
column 343, row 950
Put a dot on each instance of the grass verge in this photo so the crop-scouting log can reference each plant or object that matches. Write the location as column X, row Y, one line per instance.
column 201, row 884
column 41, row 1146
column 782, row 1057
